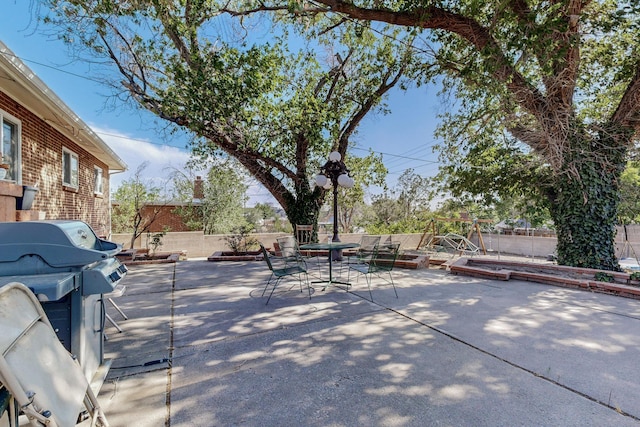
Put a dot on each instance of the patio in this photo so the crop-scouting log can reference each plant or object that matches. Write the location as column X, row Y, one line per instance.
column 200, row 348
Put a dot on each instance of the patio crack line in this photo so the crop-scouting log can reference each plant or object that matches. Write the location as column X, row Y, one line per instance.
column 601, row 310
column 171, row 348
column 515, row 365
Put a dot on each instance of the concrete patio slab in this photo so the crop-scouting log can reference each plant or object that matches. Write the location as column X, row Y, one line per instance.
column 201, row 348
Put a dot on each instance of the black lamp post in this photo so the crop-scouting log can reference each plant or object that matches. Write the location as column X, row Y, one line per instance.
column 334, row 173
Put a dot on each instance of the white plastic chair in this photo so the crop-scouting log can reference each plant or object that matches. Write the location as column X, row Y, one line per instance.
column 45, row 381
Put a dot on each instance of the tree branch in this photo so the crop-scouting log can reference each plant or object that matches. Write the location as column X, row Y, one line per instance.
column 437, row 18
column 627, row 113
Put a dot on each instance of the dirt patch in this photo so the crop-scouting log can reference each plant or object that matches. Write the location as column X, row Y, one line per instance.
column 235, row 256
column 142, row 256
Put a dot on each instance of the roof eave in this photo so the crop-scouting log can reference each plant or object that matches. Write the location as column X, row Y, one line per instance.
column 32, row 93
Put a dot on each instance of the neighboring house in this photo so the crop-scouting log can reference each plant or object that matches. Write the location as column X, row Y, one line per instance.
column 162, row 216
column 48, row 147
column 165, row 215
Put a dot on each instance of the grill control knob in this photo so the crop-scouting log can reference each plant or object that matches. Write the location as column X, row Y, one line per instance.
column 114, row 276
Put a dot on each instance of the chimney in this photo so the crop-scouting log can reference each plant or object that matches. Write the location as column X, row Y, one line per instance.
column 198, row 188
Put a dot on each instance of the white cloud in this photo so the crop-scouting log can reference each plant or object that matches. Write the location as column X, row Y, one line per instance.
column 161, row 159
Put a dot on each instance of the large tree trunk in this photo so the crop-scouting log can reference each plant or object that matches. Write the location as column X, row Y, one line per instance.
column 304, row 209
column 584, row 202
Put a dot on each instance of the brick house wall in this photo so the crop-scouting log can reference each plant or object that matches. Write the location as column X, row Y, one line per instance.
column 42, row 168
column 166, row 219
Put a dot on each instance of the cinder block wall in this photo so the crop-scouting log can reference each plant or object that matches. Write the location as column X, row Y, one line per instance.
column 198, row 245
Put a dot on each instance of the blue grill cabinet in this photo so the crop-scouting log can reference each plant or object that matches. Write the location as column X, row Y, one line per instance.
column 69, row 269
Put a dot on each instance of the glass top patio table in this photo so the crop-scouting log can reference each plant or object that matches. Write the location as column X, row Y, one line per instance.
column 330, row 246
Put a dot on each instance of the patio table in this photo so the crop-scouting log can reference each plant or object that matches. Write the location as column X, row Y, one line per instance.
column 330, row 246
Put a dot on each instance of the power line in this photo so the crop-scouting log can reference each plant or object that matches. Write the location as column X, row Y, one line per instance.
column 399, row 162
column 85, row 77
column 398, row 156
column 161, row 144
column 92, row 80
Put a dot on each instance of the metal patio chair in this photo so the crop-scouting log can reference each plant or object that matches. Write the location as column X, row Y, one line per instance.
column 290, row 247
column 363, row 253
column 382, row 261
column 304, row 233
column 46, row 383
column 368, row 245
column 283, row 266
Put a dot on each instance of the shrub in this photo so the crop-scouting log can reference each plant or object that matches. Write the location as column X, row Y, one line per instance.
column 155, row 241
column 604, row 277
column 240, row 241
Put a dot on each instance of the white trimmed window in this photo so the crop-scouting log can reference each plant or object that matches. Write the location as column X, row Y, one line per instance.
column 10, row 135
column 97, row 180
column 70, row 166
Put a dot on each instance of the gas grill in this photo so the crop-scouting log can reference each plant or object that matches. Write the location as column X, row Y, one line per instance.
column 68, row 268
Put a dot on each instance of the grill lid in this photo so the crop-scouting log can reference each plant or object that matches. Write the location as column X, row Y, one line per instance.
column 60, row 243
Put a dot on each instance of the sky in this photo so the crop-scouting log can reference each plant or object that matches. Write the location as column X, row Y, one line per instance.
column 404, row 137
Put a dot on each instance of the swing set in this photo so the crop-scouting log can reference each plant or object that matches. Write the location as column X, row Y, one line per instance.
column 452, row 242
column 626, row 261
